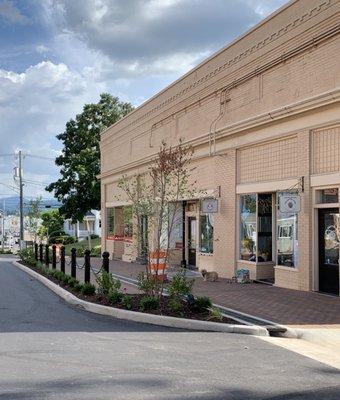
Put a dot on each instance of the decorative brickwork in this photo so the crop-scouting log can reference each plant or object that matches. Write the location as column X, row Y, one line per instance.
column 326, row 150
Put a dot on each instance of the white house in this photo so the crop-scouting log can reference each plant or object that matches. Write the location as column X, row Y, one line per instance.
column 91, row 225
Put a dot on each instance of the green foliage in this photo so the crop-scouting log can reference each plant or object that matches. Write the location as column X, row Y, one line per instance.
column 64, row 239
column 115, row 297
column 107, row 283
column 5, row 251
column 78, row 188
column 180, row 285
column 175, row 305
column 52, row 224
column 202, row 304
column 147, row 284
column 215, row 313
column 33, row 215
column 148, row 303
column 72, row 282
column 94, row 236
column 127, row 302
column 78, row 287
column 88, row 289
column 27, row 256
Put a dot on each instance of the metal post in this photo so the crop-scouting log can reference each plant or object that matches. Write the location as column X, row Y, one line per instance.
column 62, row 259
column 74, row 262
column 41, row 249
column 54, row 256
column 106, row 261
column 21, row 201
column 87, row 254
column 47, row 255
column 36, row 251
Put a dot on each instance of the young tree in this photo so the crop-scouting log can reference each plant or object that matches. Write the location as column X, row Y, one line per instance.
column 158, row 195
column 33, row 216
column 78, row 189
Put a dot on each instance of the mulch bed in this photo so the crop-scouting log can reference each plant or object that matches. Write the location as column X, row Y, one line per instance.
column 186, row 312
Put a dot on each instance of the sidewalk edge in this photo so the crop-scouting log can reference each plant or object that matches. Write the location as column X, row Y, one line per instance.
column 135, row 316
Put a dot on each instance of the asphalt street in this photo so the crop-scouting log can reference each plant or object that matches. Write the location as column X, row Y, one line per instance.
column 49, row 350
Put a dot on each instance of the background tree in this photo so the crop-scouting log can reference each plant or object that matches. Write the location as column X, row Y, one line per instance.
column 52, row 224
column 33, row 215
column 78, row 189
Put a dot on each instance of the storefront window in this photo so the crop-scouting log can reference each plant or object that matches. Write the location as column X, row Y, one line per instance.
column 248, row 227
column 287, row 238
column 329, row 196
column 127, row 216
column 110, row 222
column 207, row 233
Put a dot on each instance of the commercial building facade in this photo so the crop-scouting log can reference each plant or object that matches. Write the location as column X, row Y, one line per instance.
column 263, row 116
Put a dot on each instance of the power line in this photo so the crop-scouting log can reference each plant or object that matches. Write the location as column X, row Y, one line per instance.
column 40, row 157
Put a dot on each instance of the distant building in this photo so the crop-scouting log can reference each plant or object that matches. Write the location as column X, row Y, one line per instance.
column 91, row 224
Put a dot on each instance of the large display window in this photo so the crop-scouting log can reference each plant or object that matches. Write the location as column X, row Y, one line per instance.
column 256, row 233
column 287, row 238
column 207, row 233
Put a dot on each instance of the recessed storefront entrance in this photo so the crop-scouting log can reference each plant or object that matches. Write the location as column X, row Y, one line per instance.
column 329, row 232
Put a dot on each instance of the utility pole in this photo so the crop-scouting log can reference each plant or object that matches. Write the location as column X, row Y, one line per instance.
column 21, row 201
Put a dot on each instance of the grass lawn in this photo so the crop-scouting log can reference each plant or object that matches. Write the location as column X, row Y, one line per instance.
column 83, row 245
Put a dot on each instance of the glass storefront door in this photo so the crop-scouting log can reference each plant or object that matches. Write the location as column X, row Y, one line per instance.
column 329, row 233
column 192, row 233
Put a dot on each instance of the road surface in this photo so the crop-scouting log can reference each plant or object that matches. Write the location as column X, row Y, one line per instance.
column 50, row 350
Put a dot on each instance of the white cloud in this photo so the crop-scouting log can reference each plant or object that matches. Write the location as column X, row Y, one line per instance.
column 41, row 49
column 34, row 107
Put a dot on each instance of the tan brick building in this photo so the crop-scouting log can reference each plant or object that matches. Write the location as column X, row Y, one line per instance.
column 263, row 115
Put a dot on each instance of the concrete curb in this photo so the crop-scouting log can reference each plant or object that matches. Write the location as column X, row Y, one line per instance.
column 135, row 316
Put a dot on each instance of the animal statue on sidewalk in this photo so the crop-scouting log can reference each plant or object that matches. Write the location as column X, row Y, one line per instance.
column 209, row 276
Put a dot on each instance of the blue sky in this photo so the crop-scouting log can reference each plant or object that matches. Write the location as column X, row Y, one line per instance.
column 57, row 55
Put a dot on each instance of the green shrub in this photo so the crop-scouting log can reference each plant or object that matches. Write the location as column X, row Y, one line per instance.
column 147, row 284
column 72, row 282
column 202, row 304
column 69, row 240
column 94, row 236
column 27, row 256
column 180, row 285
column 148, row 303
column 88, row 289
column 175, row 306
column 78, row 287
column 107, row 283
column 66, row 279
column 114, row 297
column 127, row 302
column 215, row 313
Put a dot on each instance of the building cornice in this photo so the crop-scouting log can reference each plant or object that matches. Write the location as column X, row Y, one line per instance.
column 302, row 106
column 202, row 80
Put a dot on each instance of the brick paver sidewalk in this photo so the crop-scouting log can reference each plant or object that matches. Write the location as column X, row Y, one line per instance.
column 285, row 306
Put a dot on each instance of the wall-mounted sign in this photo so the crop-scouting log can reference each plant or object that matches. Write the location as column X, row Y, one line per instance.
column 290, row 203
column 209, row 206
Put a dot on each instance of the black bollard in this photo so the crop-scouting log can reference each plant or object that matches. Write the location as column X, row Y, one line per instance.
column 47, row 255
column 41, row 249
column 54, row 256
column 74, row 262
column 106, row 261
column 36, row 251
column 87, row 255
column 62, row 259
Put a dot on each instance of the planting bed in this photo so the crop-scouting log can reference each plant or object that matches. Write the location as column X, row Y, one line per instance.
column 134, row 301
